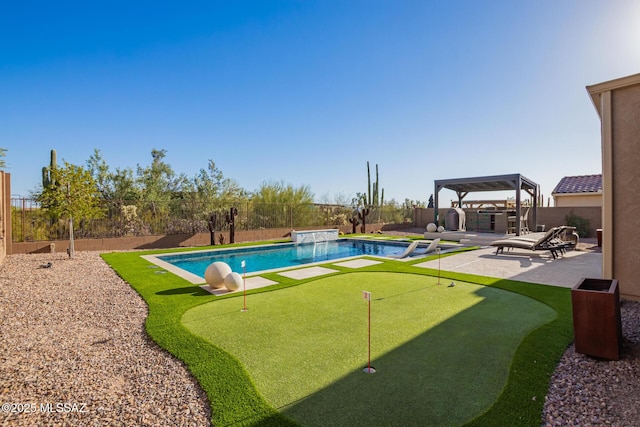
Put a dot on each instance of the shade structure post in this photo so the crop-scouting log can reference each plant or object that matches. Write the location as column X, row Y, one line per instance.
column 518, row 205
column 534, row 213
column 435, row 203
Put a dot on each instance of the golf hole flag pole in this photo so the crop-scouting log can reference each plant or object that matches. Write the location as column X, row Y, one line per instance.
column 438, row 252
column 244, row 284
column 367, row 296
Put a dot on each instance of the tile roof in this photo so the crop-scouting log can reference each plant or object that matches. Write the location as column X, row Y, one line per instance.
column 579, row 184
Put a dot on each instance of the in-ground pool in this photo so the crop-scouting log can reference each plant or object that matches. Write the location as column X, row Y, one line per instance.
column 269, row 257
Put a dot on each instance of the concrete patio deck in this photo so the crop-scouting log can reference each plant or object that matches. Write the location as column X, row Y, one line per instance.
column 527, row 266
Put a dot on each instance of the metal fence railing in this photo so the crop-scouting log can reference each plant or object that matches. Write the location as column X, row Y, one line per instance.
column 32, row 222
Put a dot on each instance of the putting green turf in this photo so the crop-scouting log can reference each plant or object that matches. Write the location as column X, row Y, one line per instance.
column 442, row 353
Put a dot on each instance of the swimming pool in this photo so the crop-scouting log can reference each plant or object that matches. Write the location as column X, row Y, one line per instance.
column 270, row 257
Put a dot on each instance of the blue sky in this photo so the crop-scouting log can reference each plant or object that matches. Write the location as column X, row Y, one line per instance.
column 307, row 92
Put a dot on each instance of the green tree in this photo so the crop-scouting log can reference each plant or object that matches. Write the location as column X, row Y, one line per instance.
column 210, row 185
column 72, row 194
column 158, row 186
column 411, row 204
column 206, row 193
column 279, row 192
column 124, row 188
column 158, row 180
column 99, row 170
column 119, row 191
column 277, row 204
column 116, row 187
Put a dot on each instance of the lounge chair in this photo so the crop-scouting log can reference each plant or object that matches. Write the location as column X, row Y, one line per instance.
column 547, row 242
column 432, row 246
column 412, row 247
column 550, row 234
column 562, row 237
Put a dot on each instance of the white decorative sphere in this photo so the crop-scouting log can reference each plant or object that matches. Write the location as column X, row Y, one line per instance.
column 215, row 274
column 233, row 281
column 431, row 227
column 440, row 229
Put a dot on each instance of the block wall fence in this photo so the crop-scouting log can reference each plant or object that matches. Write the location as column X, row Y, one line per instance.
column 176, row 240
column 549, row 217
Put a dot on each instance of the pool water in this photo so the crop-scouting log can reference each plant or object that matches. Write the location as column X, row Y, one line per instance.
column 260, row 258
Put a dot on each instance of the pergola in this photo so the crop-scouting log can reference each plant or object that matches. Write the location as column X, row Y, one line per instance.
column 514, row 182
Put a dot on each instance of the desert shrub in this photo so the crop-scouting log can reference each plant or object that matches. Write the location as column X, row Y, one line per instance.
column 581, row 224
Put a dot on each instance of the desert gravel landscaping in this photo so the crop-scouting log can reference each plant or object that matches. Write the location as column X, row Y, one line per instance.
column 585, row 391
column 73, row 337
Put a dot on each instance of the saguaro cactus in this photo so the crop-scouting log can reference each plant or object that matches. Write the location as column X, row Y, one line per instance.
column 376, row 189
column 354, row 222
column 233, row 212
column 368, row 184
column 46, row 170
column 212, row 228
column 375, row 194
column 362, row 216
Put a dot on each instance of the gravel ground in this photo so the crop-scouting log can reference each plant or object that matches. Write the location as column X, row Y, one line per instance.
column 73, row 350
column 585, row 391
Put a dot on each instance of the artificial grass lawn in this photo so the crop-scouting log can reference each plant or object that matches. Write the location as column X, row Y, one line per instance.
column 236, row 397
column 442, row 351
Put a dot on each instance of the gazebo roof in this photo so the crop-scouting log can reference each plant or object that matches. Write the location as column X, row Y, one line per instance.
column 487, row 183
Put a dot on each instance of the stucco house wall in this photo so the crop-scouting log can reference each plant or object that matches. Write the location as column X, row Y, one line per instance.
column 618, row 105
column 575, row 200
column 578, row 190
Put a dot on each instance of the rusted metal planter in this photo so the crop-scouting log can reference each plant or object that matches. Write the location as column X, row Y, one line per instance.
column 597, row 325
